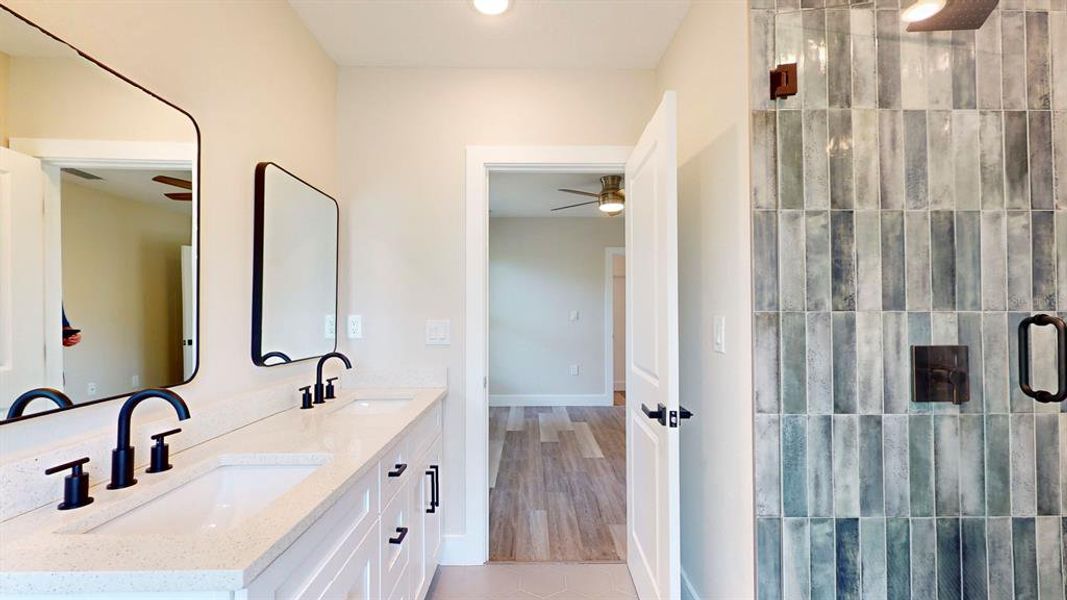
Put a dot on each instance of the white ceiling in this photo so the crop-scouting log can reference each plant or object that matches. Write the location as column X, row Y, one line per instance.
column 536, row 194
column 136, row 184
column 571, row 34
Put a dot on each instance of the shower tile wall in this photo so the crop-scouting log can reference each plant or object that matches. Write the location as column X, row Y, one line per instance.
column 913, row 192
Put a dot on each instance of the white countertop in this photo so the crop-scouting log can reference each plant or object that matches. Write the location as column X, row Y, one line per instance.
column 46, row 551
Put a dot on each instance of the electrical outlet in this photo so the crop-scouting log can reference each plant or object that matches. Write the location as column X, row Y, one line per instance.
column 576, row 315
column 331, row 327
column 438, row 332
column 355, row 327
column 91, row 389
column 720, row 334
column 575, row 369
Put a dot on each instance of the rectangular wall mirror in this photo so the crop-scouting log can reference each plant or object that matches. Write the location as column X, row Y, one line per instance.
column 98, row 229
column 294, row 286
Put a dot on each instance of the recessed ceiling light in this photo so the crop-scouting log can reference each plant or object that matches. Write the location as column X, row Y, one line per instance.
column 492, row 7
column 921, row 10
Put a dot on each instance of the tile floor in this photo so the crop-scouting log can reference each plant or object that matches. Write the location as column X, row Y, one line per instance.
column 559, row 581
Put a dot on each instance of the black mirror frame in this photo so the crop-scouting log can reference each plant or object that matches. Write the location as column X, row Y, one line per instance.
column 196, row 224
column 258, row 357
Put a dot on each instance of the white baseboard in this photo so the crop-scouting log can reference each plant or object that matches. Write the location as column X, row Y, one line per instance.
column 620, row 386
column 689, row 592
column 457, row 551
column 551, row 400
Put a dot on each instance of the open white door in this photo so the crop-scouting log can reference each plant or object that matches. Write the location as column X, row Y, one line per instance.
column 653, row 548
column 188, row 314
column 24, row 324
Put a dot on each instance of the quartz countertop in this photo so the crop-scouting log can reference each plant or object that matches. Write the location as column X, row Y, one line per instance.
column 48, row 551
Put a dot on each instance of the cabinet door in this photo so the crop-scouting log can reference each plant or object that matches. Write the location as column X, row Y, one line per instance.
column 360, row 578
column 397, row 537
column 428, row 507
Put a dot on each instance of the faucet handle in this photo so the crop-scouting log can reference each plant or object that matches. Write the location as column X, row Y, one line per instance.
column 161, row 453
column 330, row 392
column 305, row 401
column 75, row 485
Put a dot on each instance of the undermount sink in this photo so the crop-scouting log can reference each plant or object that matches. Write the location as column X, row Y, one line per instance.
column 378, row 406
column 221, row 498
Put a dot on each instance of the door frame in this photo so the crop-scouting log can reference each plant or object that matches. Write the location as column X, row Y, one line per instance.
column 472, row 546
column 609, row 319
column 56, row 154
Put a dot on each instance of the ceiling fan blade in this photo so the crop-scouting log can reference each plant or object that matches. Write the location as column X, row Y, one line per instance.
column 181, row 183
column 594, row 195
column 182, row 196
column 576, row 205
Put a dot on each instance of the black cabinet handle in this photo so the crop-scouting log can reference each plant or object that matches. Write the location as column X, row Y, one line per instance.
column 433, row 492
column 1061, row 359
column 660, row 414
column 398, row 470
column 402, row 532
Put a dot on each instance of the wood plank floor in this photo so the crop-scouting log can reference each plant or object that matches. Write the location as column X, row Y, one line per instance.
column 557, row 480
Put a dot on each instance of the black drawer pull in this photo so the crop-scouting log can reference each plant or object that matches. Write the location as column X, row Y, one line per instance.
column 399, row 470
column 433, row 492
column 399, row 539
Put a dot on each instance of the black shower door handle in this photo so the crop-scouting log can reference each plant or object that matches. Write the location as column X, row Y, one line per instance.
column 1061, row 358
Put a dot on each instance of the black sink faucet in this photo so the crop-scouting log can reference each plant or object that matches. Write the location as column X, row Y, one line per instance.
column 61, row 400
column 122, row 457
column 320, row 395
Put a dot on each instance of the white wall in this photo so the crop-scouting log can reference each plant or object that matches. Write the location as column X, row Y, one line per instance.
column 707, row 65
column 402, row 147
column 540, row 270
column 260, row 88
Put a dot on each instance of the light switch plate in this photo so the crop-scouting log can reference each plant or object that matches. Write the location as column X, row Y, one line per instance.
column 575, row 369
column 355, row 327
column 438, row 332
column 576, row 315
column 720, row 334
column 330, row 326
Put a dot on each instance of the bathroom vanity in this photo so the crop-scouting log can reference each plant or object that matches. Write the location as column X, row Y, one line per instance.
column 338, row 502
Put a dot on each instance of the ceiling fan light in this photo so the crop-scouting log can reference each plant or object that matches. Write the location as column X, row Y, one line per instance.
column 492, row 7
column 611, row 207
column 921, row 10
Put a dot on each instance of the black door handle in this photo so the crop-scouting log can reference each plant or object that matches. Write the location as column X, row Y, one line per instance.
column 399, row 470
column 1061, row 359
column 660, row 414
column 684, row 413
column 433, row 492
column 436, row 486
column 399, row 539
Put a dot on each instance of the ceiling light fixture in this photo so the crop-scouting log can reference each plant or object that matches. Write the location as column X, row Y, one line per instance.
column 921, row 10
column 492, row 7
column 611, row 205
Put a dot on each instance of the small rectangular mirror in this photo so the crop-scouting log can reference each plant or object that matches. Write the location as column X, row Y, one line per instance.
column 294, row 282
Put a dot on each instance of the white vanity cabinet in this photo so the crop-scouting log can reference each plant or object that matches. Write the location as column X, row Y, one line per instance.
column 378, row 541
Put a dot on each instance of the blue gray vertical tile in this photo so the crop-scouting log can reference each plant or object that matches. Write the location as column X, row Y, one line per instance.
column 1050, row 576
column 948, row 558
column 1001, row 568
column 768, row 559
column 947, row 465
column 1023, row 468
column 917, row 250
column 896, row 363
column 970, row 335
column 943, row 259
column 846, row 466
column 1047, row 469
column 788, row 40
column 839, row 149
column 792, row 269
column 1043, row 248
column 764, row 158
column 820, row 466
column 967, row 162
column 939, row 69
column 1041, row 176
column 794, row 466
column 913, row 70
column 888, row 32
column 820, row 364
column 817, row 251
column 964, row 78
column 823, row 560
column 1038, row 88
column 844, row 362
column 972, row 466
column 816, row 162
column 868, row 239
column 765, row 261
column 768, row 466
column 898, row 559
column 814, row 59
column 1024, row 555
column 1013, row 57
column 923, row 558
column 994, row 261
column 891, row 159
column 872, row 498
column 991, row 158
column 839, row 57
column 941, row 168
column 1020, row 261
column 1059, row 141
column 968, row 248
column 794, row 363
column 864, row 59
column 790, row 159
column 847, row 545
column 896, row 471
column 796, row 560
column 1057, row 23
column 1020, row 403
column 761, row 54
column 873, row 558
column 765, row 359
column 894, row 268
column 987, row 63
column 995, row 362
column 973, row 559
column 998, row 465
column 1063, row 469
column 1016, row 163
column 916, row 183
column 1061, row 253
column 869, row 384
column 865, row 165
column 921, row 465
column 843, row 260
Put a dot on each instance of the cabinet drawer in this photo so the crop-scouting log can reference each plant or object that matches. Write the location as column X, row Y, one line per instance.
column 397, row 468
column 397, row 524
column 425, row 430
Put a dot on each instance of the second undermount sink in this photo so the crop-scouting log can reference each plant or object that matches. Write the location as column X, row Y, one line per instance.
column 378, row 406
column 221, row 498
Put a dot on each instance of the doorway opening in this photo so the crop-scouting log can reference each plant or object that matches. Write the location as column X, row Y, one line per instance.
column 557, row 434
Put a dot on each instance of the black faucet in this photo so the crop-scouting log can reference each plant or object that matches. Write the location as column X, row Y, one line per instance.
column 122, row 457
column 320, row 395
column 61, row 400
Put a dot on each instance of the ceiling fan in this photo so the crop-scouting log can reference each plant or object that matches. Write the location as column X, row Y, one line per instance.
column 611, row 199
column 184, row 184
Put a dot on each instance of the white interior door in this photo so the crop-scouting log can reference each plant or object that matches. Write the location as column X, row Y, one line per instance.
column 25, row 325
column 188, row 314
column 653, row 548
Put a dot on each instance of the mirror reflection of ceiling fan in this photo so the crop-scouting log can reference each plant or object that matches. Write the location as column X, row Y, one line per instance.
column 178, row 183
column 611, row 199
